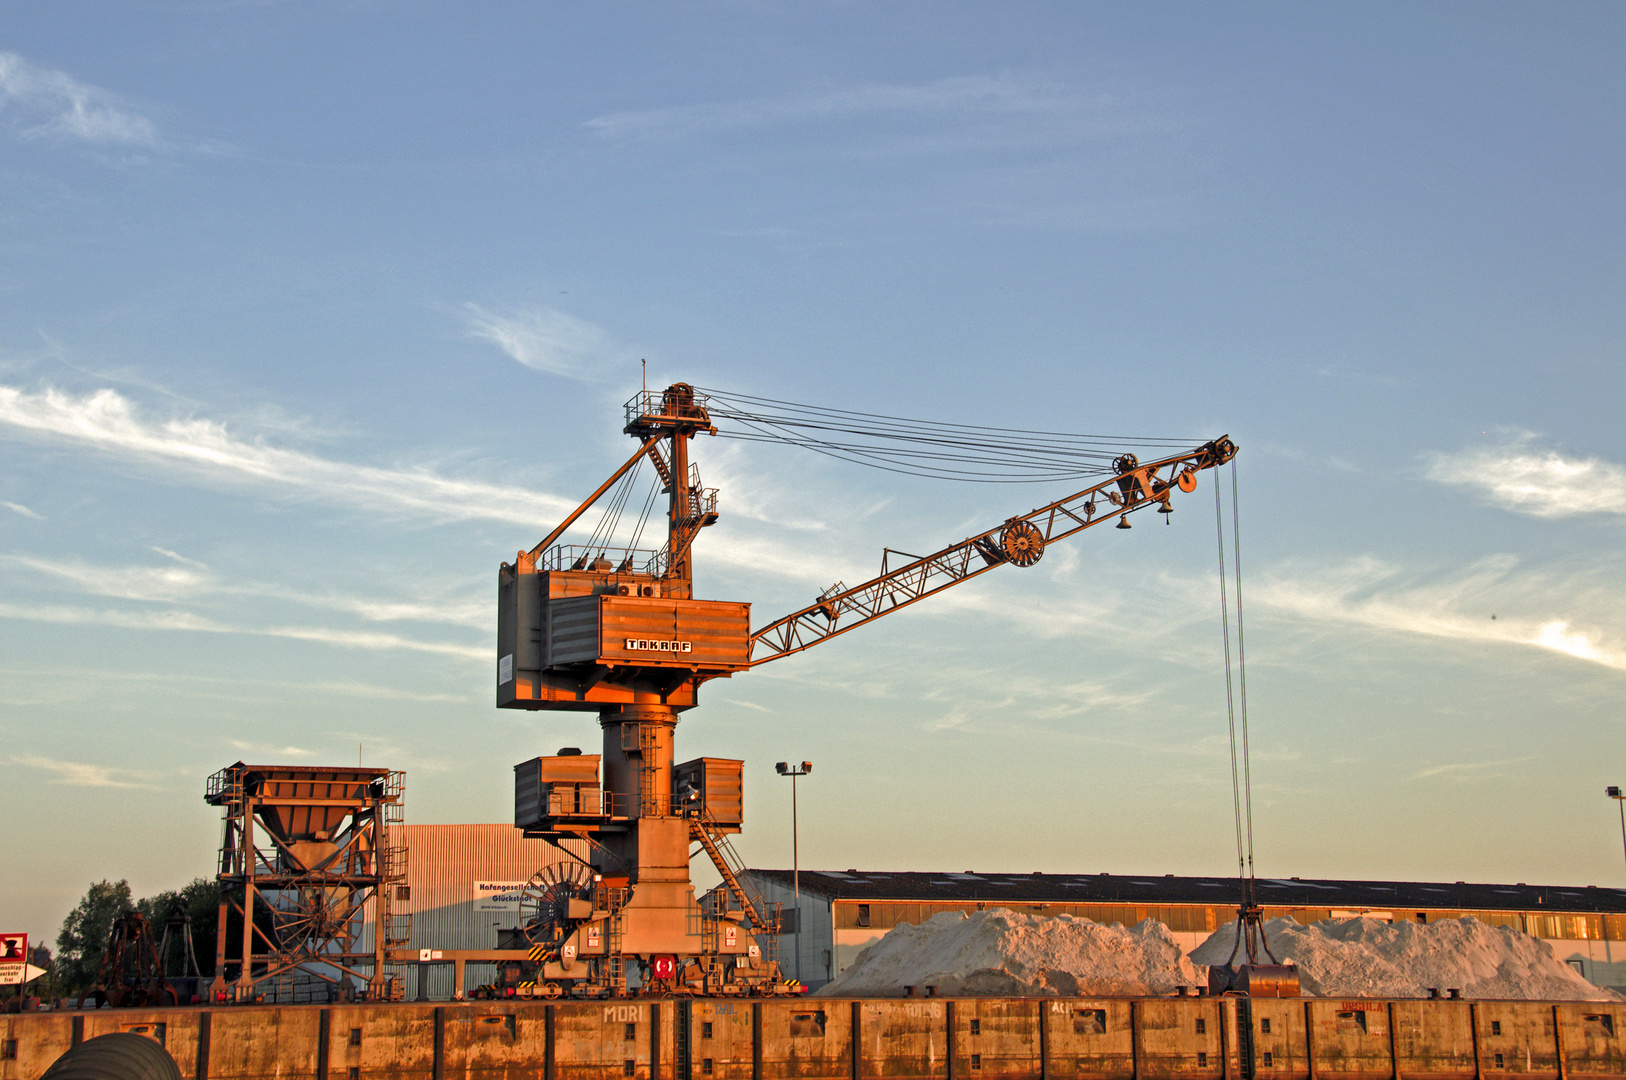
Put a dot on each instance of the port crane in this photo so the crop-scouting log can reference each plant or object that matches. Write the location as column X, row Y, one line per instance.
column 619, row 632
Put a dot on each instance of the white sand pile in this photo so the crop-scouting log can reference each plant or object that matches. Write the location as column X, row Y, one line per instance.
column 1372, row 958
column 1003, row 952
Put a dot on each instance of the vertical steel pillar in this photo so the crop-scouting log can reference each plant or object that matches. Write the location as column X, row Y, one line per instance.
column 245, row 979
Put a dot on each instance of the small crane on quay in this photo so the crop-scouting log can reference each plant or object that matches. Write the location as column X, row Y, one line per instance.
column 617, row 630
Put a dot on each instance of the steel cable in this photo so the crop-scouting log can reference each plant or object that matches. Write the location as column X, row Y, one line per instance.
column 966, row 452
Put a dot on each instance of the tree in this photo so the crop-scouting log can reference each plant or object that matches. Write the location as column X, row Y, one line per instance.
column 82, row 942
column 201, row 902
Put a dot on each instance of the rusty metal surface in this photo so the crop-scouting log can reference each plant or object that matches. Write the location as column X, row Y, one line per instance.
column 863, row 1039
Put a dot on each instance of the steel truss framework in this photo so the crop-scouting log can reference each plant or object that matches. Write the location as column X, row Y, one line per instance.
column 1020, row 541
column 306, row 864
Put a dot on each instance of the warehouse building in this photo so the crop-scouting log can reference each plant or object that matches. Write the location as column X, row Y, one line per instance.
column 463, row 884
column 842, row 912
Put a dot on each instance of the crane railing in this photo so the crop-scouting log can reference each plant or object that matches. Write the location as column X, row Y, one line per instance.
column 1020, row 540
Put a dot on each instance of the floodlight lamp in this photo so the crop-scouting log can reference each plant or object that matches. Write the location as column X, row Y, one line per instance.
column 783, row 767
column 1612, row 791
column 807, row 766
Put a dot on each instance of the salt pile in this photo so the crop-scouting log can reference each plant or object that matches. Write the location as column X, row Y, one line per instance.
column 1007, row 953
column 1372, row 958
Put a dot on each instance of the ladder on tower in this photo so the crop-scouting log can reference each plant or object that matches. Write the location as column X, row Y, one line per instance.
column 1244, row 1036
column 681, row 1032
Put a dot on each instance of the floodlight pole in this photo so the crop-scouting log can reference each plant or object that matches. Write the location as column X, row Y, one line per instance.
column 785, row 768
column 1615, row 793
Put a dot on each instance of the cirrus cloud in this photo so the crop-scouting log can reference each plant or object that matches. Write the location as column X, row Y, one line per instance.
column 106, row 420
column 60, row 106
column 1520, row 476
column 544, row 339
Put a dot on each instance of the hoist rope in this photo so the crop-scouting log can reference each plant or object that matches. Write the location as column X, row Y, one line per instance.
column 1230, row 700
column 1242, row 664
column 1241, row 780
column 643, row 518
column 604, row 531
column 970, row 453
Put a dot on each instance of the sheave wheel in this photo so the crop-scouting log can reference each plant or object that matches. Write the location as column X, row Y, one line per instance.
column 1022, row 543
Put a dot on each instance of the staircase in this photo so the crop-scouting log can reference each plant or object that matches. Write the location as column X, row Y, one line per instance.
column 710, row 836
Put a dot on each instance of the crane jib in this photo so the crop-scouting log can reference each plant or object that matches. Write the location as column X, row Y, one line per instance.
column 1019, row 541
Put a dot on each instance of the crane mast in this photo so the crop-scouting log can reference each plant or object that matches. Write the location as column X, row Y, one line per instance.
column 619, row 632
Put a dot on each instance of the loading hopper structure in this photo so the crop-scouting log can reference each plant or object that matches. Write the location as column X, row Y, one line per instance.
column 310, row 883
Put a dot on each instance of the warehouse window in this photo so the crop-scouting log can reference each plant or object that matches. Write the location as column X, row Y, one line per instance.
column 1267, row 1063
column 1264, row 1026
column 1600, row 1024
column 1496, row 1027
column 1352, row 1021
column 863, row 915
column 1202, row 1060
column 1202, row 1026
column 705, row 1066
column 355, row 1036
column 628, row 1067
column 705, row 1029
column 976, row 1026
column 1499, row 1061
column 8, row 1050
column 632, row 1032
column 976, row 1063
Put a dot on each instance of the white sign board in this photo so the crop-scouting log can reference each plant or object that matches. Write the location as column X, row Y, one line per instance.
column 13, row 958
column 11, row 974
column 500, row 896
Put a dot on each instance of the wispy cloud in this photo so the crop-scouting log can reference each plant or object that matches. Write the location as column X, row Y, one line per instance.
column 543, row 338
column 80, row 773
column 1459, row 606
column 267, row 749
column 207, row 450
column 1067, row 109
column 107, row 421
column 182, row 559
column 56, row 105
column 193, row 581
column 18, row 508
column 1520, row 476
column 191, row 621
column 1464, row 772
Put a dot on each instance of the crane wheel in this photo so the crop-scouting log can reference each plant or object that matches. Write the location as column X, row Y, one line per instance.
column 1022, row 543
column 1187, row 481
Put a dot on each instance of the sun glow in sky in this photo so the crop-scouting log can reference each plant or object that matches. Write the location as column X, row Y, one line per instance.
column 312, row 314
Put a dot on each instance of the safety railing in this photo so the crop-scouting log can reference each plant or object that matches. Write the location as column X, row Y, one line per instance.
column 605, row 560
column 666, row 405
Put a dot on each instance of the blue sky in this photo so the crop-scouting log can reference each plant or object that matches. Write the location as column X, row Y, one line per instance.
column 311, row 314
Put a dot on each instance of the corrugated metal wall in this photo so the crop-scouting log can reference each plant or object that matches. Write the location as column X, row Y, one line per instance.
column 443, row 864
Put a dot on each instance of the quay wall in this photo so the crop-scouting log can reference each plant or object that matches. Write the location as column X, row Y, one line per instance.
column 863, row 1039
